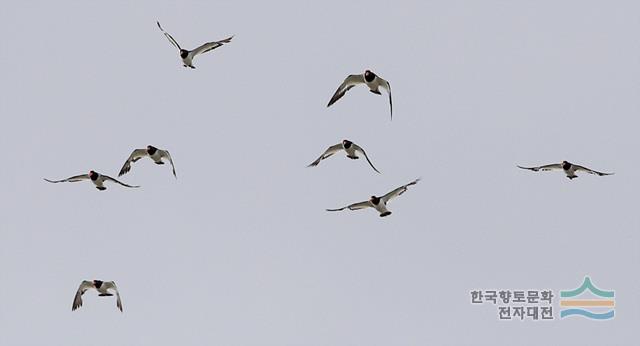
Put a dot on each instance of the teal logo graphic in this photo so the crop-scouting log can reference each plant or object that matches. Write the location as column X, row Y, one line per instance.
column 600, row 308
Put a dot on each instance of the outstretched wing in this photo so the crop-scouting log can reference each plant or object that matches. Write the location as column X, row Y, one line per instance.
column 590, row 171
column 543, row 168
column 349, row 82
column 359, row 148
column 108, row 178
column 77, row 300
column 354, row 206
column 110, row 285
column 397, row 192
column 385, row 85
column 73, row 179
column 209, row 46
column 136, row 155
column 169, row 37
column 330, row 151
column 165, row 154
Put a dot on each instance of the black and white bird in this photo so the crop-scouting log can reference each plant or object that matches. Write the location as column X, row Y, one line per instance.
column 96, row 178
column 569, row 169
column 369, row 78
column 379, row 203
column 155, row 154
column 104, row 288
column 349, row 147
column 188, row 55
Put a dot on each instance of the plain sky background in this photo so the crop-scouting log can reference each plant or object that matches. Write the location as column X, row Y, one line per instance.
column 239, row 249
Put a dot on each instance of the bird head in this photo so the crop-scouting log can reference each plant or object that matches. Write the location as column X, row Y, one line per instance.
column 369, row 76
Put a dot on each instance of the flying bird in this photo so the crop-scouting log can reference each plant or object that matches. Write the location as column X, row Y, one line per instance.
column 188, row 55
column 346, row 145
column 155, row 154
column 104, row 288
column 379, row 203
column 96, row 178
column 369, row 78
column 569, row 169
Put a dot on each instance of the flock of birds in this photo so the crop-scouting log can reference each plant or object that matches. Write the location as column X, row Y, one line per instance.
column 352, row 150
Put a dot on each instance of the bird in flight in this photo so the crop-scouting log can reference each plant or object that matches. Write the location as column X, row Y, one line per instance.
column 104, row 288
column 188, row 55
column 96, row 178
column 379, row 203
column 151, row 152
column 349, row 147
column 569, row 169
column 369, row 78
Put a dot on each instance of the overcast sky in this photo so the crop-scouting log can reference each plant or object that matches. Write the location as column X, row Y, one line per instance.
column 239, row 250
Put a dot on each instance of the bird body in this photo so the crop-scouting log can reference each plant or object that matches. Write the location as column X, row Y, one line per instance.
column 379, row 203
column 155, row 154
column 368, row 78
column 104, row 289
column 569, row 169
column 187, row 56
column 380, row 206
column 96, row 178
column 349, row 147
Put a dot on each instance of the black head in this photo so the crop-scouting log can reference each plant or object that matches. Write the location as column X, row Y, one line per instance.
column 97, row 283
column 93, row 175
column 347, row 143
column 375, row 200
column 369, row 76
column 151, row 149
column 184, row 53
column 566, row 165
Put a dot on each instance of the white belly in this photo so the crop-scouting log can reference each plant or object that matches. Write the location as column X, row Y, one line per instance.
column 156, row 157
column 374, row 85
column 571, row 172
column 187, row 61
column 98, row 182
column 351, row 151
column 381, row 207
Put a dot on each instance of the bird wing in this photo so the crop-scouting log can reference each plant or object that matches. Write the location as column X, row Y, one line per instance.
column 165, row 154
column 397, row 192
column 110, row 285
column 385, row 85
column 135, row 156
column 354, row 206
column 210, row 46
column 543, row 168
column 349, row 82
column 169, row 37
column 73, row 179
column 330, row 151
column 359, row 148
column 108, row 178
column 77, row 300
column 590, row 171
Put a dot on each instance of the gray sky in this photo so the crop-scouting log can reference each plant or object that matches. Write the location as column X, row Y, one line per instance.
column 239, row 249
